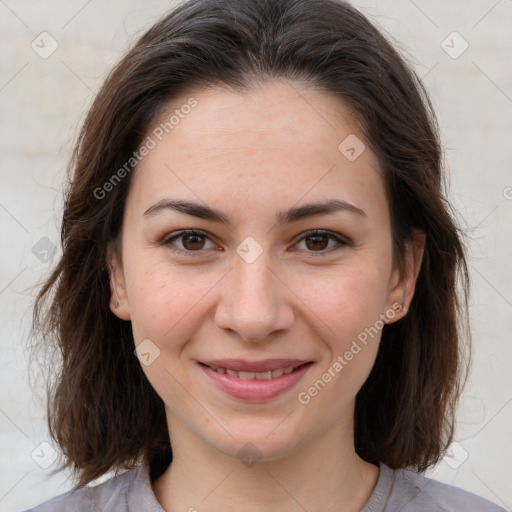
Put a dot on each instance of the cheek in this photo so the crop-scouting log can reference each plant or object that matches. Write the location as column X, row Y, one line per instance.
column 349, row 305
column 349, row 300
column 167, row 307
column 165, row 303
column 349, row 308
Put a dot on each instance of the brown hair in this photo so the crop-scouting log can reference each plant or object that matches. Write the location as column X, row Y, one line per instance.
column 102, row 411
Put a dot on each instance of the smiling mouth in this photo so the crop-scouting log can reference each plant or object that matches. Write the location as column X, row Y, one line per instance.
column 270, row 374
column 254, row 381
column 267, row 375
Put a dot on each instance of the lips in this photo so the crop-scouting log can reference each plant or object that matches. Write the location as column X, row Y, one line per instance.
column 255, row 381
column 266, row 365
column 270, row 374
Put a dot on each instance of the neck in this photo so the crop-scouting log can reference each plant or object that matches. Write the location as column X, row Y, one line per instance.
column 324, row 475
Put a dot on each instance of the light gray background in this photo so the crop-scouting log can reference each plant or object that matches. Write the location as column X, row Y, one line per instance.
column 42, row 102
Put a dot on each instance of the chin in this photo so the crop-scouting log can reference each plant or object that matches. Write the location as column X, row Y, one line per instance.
column 256, row 445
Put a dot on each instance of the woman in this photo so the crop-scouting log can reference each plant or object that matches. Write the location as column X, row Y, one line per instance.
column 256, row 307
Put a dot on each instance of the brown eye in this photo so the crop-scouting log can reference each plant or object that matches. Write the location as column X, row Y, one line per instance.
column 193, row 242
column 317, row 242
column 189, row 241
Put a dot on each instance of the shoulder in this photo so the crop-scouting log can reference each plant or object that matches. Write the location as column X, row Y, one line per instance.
column 130, row 491
column 410, row 491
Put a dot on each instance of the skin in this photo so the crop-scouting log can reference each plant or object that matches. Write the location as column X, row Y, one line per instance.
column 251, row 156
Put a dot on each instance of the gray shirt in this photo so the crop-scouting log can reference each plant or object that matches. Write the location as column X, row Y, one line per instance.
column 396, row 490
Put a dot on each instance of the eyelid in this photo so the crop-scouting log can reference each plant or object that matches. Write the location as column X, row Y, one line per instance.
column 314, row 232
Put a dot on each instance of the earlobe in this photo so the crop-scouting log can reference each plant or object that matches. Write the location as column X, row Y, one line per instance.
column 118, row 297
column 404, row 282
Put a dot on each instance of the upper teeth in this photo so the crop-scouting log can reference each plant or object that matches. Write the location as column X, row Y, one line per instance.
column 255, row 375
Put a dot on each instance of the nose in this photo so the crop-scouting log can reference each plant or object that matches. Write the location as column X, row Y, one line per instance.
column 254, row 301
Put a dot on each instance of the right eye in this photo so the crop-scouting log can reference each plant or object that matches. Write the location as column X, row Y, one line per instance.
column 191, row 241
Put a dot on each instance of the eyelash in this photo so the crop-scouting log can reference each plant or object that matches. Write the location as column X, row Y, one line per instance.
column 167, row 241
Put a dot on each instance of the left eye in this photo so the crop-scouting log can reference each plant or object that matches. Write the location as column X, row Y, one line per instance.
column 318, row 241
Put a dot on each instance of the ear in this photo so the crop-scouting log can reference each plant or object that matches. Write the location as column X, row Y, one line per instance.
column 118, row 296
column 403, row 281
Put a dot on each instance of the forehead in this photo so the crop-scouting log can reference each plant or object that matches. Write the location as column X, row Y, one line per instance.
column 278, row 111
column 279, row 141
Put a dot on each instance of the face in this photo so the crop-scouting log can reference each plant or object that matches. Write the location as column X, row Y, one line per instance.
column 264, row 282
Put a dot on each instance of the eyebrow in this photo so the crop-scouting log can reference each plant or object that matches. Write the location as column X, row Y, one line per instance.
column 292, row 215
